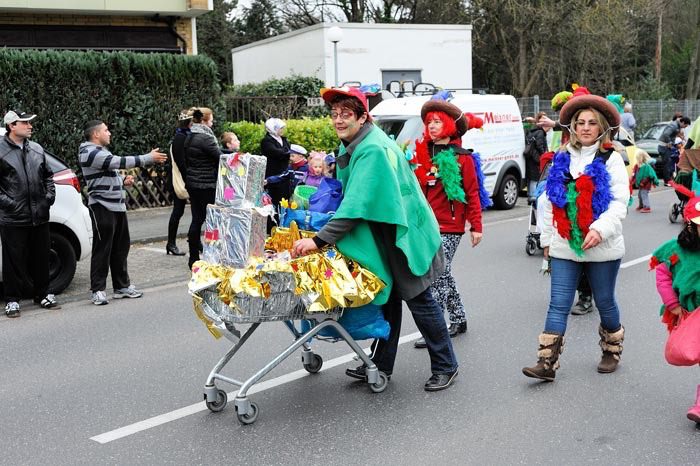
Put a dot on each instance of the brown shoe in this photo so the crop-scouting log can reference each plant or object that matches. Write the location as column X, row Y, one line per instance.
column 551, row 346
column 611, row 344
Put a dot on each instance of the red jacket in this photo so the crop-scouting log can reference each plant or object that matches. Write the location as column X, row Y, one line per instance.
column 453, row 215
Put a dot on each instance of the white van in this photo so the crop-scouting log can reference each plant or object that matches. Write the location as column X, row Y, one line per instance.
column 500, row 143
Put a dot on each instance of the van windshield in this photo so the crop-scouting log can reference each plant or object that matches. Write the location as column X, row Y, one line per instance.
column 404, row 130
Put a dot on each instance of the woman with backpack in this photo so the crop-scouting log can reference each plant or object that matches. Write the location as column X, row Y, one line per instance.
column 447, row 174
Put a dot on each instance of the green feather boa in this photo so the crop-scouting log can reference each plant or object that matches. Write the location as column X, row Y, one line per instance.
column 450, row 174
column 576, row 241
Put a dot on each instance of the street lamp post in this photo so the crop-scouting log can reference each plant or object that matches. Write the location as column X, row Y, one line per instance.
column 335, row 34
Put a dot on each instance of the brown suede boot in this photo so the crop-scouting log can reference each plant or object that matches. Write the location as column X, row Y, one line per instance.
column 551, row 346
column 611, row 344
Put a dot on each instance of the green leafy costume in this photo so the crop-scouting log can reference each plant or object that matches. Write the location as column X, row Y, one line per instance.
column 379, row 186
column 685, row 270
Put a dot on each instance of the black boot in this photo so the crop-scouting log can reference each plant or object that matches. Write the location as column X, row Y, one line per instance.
column 171, row 248
column 456, row 329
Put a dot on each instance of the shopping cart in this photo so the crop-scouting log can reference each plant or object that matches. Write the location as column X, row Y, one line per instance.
column 240, row 323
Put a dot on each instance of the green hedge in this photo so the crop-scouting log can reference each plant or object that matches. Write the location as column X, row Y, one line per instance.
column 138, row 95
column 312, row 134
column 293, row 85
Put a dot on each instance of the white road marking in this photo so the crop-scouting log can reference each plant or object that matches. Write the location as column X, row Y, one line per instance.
column 636, row 261
column 201, row 406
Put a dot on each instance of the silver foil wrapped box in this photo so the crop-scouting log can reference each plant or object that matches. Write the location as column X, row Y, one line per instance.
column 232, row 235
column 240, row 180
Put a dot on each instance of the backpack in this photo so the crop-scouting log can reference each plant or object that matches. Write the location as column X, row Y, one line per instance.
column 531, row 151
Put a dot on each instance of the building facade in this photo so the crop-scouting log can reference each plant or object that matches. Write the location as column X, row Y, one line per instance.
column 366, row 53
column 133, row 25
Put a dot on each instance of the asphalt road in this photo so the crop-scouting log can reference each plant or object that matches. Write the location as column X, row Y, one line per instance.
column 75, row 377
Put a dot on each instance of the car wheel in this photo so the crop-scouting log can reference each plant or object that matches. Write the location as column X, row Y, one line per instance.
column 507, row 193
column 62, row 263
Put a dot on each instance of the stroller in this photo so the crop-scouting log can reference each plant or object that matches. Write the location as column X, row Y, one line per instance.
column 532, row 240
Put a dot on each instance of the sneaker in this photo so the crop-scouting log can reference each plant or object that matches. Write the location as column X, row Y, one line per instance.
column 12, row 309
column 645, row 210
column 360, row 373
column 48, row 302
column 99, row 298
column 439, row 382
column 129, row 292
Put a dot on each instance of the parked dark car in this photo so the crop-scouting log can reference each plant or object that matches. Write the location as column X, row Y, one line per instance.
column 649, row 141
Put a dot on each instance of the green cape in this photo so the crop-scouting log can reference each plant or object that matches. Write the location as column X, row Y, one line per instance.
column 685, row 269
column 379, row 186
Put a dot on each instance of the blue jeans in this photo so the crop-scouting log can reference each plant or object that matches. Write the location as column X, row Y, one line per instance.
column 427, row 314
column 565, row 276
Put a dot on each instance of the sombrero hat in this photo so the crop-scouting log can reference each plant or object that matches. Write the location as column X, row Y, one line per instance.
column 438, row 105
column 581, row 99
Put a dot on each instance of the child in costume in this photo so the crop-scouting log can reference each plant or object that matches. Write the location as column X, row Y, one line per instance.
column 448, row 176
column 297, row 159
column 677, row 266
column 329, row 162
column 644, row 178
column 316, row 169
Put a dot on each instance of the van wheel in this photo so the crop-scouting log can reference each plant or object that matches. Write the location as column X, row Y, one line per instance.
column 62, row 263
column 507, row 193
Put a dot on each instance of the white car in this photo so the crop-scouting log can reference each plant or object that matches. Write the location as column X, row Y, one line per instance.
column 70, row 224
column 501, row 142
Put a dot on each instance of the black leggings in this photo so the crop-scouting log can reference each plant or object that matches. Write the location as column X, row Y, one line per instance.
column 199, row 198
column 175, row 216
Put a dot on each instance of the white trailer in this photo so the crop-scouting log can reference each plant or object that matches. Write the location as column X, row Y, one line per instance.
column 366, row 53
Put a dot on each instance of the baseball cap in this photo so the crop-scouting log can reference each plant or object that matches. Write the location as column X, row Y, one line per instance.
column 692, row 210
column 297, row 149
column 14, row 115
column 329, row 93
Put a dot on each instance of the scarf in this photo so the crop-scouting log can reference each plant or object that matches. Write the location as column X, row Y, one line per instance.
column 273, row 126
column 203, row 129
column 576, row 204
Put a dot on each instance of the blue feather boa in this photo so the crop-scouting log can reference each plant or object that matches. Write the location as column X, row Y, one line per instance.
column 484, row 197
column 559, row 176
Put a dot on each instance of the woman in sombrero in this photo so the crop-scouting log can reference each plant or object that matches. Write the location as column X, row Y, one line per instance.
column 448, row 178
column 587, row 196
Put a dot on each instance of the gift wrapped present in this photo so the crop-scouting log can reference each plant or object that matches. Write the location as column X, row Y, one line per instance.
column 233, row 235
column 240, row 181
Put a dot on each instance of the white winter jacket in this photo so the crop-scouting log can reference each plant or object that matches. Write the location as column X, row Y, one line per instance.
column 609, row 224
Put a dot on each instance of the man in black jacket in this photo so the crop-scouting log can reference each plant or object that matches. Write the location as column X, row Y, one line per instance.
column 667, row 140
column 26, row 194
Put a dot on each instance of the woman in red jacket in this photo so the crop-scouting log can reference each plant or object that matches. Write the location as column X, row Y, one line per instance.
column 447, row 176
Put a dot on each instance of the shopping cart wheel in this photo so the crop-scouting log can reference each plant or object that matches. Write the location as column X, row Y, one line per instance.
column 220, row 403
column 381, row 384
column 315, row 365
column 530, row 246
column 251, row 417
column 673, row 213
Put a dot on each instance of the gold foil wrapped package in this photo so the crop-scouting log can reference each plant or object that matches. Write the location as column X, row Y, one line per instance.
column 279, row 289
column 233, row 235
column 240, row 180
column 325, row 281
column 282, row 239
